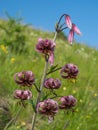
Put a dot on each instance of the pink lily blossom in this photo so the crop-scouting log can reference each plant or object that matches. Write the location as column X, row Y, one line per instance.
column 73, row 29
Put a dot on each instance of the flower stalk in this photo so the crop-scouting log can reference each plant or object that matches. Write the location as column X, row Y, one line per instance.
column 41, row 86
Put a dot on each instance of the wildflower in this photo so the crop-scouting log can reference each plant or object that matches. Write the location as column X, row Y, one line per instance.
column 46, row 47
column 23, row 94
column 67, row 102
column 69, row 71
column 12, row 60
column 24, row 78
column 73, row 28
column 95, row 95
column 48, row 107
column 64, row 88
column 51, row 83
column 4, row 49
column 74, row 91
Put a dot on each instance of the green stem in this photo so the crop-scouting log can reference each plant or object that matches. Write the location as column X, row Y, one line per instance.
column 41, row 86
column 39, row 94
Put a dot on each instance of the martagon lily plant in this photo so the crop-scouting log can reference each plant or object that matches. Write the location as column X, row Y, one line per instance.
column 26, row 79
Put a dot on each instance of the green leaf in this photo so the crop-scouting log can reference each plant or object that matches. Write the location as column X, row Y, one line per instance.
column 33, row 103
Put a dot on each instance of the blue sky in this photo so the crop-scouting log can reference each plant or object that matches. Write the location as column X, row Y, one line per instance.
column 44, row 14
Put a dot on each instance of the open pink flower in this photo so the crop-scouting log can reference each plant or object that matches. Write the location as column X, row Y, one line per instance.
column 46, row 47
column 73, row 28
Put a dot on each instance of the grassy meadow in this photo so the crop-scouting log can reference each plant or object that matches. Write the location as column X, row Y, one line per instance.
column 17, row 53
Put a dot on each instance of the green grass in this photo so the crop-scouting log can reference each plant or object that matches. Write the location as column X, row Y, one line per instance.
column 85, row 89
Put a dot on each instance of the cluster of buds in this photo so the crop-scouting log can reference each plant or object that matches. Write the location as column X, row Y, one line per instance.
column 24, row 78
column 46, row 47
column 50, row 107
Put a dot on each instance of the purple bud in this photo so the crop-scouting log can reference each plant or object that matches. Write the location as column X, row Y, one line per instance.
column 48, row 107
column 23, row 94
column 67, row 102
column 51, row 83
column 46, row 47
column 69, row 71
column 24, row 78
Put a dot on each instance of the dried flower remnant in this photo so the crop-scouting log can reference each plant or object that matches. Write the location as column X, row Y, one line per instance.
column 69, row 71
column 67, row 102
column 51, row 83
column 46, row 47
column 48, row 107
column 23, row 94
column 24, row 78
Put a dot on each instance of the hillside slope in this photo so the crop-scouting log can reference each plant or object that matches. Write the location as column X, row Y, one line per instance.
column 17, row 53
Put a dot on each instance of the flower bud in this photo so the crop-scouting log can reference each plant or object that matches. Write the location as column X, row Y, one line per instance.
column 24, row 78
column 48, row 107
column 51, row 83
column 67, row 102
column 23, row 94
column 69, row 71
column 46, row 47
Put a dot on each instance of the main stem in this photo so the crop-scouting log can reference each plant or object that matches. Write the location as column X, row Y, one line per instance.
column 41, row 87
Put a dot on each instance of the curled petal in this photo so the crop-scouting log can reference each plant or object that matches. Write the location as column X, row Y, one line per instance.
column 76, row 29
column 71, row 36
column 40, row 39
column 51, row 58
column 68, row 21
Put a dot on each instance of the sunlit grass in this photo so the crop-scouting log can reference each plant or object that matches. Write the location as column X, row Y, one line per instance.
column 85, row 89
